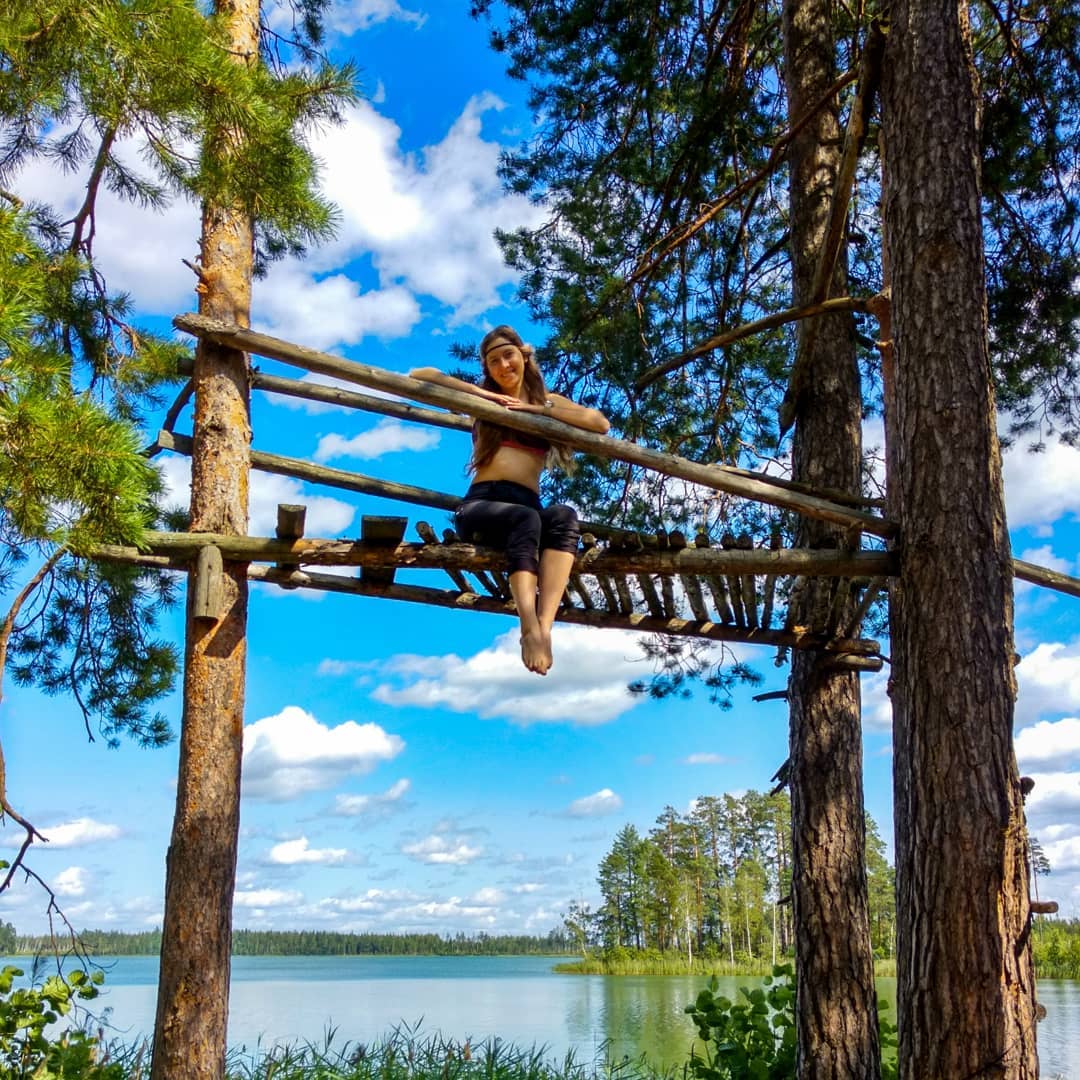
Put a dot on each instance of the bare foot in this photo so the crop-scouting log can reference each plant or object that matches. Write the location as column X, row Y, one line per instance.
column 536, row 651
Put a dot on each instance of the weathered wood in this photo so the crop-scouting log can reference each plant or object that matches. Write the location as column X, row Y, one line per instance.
column 208, row 595
column 606, row 587
column 771, row 695
column 652, row 600
column 1044, row 907
column 328, row 552
column 384, row 532
column 622, row 587
column 349, row 399
column 667, row 593
column 645, row 624
column 870, row 594
column 429, row 536
column 577, row 585
column 1051, row 579
column 734, row 582
column 291, row 519
column 718, row 588
column 692, row 588
column 711, row 476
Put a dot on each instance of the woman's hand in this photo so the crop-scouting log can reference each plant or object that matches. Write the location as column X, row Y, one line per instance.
column 507, row 400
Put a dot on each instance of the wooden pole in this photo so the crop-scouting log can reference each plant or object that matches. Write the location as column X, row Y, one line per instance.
column 314, row 551
column 715, row 477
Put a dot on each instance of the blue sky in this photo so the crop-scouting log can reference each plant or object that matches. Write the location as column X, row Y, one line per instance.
column 402, row 769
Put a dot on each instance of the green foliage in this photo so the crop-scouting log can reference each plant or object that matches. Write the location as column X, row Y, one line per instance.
column 752, row 1039
column 28, row 1049
column 1056, row 947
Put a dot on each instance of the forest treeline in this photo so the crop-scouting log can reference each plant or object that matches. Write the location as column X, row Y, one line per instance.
column 713, row 883
column 321, row 943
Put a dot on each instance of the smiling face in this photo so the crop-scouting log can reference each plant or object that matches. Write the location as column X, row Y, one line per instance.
column 505, row 363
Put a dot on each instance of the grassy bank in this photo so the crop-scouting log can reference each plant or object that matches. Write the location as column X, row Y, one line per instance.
column 654, row 963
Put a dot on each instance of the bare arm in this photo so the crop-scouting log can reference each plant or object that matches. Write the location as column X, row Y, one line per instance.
column 569, row 412
column 440, row 378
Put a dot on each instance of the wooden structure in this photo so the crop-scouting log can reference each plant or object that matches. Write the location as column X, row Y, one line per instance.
column 664, row 583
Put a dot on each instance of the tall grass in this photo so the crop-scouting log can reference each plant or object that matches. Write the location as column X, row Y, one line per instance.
column 407, row 1054
column 654, row 963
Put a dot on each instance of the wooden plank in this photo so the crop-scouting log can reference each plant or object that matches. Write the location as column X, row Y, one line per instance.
column 208, row 595
column 692, row 587
column 712, row 476
column 652, row 601
column 381, row 532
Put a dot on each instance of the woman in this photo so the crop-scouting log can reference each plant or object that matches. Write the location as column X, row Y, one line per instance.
column 502, row 507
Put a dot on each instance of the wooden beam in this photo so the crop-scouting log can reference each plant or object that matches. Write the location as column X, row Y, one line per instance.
column 348, row 399
column 314, row 551
column 715, row 477
column 645, row 624
column 381, row 532
column 1051, row 579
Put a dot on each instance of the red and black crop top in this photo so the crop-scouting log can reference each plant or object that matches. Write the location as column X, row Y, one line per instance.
column 517, row 440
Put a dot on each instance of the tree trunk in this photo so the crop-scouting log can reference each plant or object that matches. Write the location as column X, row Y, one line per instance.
column 193, row 990
column 836, row 1005
column 965, row 988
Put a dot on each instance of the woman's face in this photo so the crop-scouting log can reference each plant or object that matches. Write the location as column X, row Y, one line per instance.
column 505, row 363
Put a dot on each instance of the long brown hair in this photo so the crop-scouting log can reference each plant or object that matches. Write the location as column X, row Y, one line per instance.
column 488, row 437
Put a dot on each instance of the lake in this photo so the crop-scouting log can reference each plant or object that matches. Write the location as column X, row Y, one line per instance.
column 519, row 999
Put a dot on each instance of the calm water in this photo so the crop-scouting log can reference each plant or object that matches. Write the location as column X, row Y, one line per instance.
column 519, row 999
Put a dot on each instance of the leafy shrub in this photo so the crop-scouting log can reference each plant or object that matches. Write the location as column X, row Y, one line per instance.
column 28, row 1051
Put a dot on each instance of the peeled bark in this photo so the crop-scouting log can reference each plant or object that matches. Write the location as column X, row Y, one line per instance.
column 836, row 1005
column 965, row 986
column 193, row 990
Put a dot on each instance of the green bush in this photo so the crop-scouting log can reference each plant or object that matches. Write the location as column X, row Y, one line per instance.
column 28, row 1051
column 755, row 1039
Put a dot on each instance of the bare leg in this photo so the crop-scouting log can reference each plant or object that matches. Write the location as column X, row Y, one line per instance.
column 555, row 567
column 535, row 648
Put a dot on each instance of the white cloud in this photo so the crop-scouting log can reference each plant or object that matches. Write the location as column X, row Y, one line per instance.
column 315, row 408
column 294, row 852
column 354, row 16
column 386, row 437
column 1055, row 795
column 586, row 686
column 291, row 754
column 441, row 849
column 599, row 804
column 707, row 759
column 1049, row 681
column 326, row 516
column 876, row 704
column 71, row 882
column 70, row 834
column 1040, row 488
column 1049, row 742
column 328, row 311
column 371, row 805
column 266, row 898
column 527, row 887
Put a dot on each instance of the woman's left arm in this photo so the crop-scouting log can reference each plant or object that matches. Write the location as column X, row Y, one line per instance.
column 569, row 412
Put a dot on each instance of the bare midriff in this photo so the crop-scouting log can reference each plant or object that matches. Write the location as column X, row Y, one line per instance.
column 511, row 463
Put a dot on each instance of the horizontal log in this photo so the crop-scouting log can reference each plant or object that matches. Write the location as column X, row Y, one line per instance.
column 314, row 551
column 348, row 399
column 644, row 624
column 1051, row 579
column 715, row 477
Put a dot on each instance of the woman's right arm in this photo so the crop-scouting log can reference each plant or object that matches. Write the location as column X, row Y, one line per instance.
column 440, row 378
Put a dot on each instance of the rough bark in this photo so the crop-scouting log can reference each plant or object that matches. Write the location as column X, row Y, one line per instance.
column 965, row 993
column 836, row 1005
column 193, row 990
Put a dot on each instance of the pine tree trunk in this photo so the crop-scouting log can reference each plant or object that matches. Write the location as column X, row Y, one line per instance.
column 965, row 988
column 836, row 1004
column 193, row 990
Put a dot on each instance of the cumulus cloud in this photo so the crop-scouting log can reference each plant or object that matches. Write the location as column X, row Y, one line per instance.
column 266, row 898
column 876, row 705
column 587, row 685
column 326, row 516
column 372, row 805
column 355, row 16
column 1049, row 681
column 71, row 882
column 1056, row 796
column 443, row 849
column 598, row 804
column 68, row 834
column 323, row 312
column 299, row 851
column 291, row 754
column 386, row 437
column 1049, row 742
column 707, row 759
column 1040, row 488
